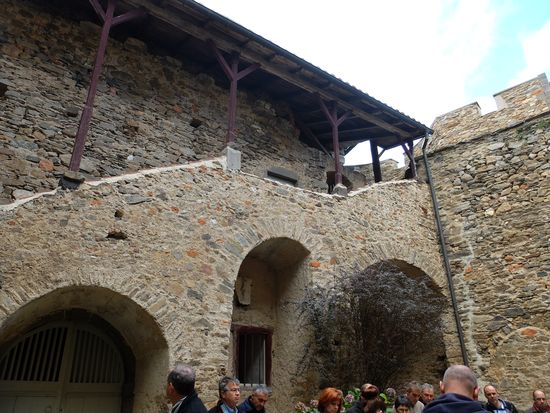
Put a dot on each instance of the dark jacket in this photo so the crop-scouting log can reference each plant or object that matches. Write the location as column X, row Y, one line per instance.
column 509, row 407
column 217, row 408
column 248, row 407
column 454, row 403
column 191, row 404
column 357, row 407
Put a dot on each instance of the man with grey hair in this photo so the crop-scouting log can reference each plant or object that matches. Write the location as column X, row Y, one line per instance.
column 426, row 393
column 229, row 389
column 413, row 394
column 459, row 392
column 180, row 390
column 256, row 401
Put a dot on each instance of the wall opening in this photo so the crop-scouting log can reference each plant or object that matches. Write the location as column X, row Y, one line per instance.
column 382, row 323
column 270, row 280
column 72, row 362
column 98, row 326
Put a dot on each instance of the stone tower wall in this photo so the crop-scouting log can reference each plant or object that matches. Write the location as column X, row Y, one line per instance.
column 514, row 106
column 492, row 178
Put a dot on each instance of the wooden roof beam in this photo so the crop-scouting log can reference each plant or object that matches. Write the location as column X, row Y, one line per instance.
column 345, row 132
column 231, row 45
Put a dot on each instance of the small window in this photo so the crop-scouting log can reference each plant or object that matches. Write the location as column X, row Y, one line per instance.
column 282, row 175
column 253, row 355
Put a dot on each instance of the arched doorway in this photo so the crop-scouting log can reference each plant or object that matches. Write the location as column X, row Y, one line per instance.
column 133, row 331
column 382, row 324
column 73, row 363
column 270, row 283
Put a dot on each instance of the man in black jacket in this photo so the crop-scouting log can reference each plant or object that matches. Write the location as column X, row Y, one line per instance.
column 494, row 403
column 180, row 390
column 459, row 392
column 255, row 403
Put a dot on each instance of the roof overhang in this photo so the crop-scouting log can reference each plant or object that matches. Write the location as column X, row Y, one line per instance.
column 183, row 29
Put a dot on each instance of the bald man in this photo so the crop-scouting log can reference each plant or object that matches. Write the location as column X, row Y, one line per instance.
column 459, row 390
column 540, row 405
column 494, row 403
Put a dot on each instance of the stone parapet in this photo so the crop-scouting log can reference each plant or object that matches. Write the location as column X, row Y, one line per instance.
column 515, row 105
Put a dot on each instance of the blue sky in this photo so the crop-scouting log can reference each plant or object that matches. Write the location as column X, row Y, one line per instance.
column 424, row 57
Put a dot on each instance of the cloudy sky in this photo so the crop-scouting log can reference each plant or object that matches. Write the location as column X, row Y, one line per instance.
column 423, row 57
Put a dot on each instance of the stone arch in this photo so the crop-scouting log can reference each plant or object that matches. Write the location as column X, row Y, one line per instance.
column 391, row 313
column 136, row 328
column 271, row 280
column 412, row 258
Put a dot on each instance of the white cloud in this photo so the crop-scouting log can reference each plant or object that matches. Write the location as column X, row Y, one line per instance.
column 536, row 47
column 413, row 56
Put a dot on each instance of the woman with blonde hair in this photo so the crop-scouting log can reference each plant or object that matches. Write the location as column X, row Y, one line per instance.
column 330, row 400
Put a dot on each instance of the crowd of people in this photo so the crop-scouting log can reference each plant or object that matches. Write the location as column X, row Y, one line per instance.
column 459, row 394
column 180, row 391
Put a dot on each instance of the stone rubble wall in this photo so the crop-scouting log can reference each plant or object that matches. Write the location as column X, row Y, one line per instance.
column 493, row 186
column 515, row 105
column 150, row 110
column 172, row 242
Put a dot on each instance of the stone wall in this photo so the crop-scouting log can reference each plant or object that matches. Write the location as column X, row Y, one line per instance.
column 157, row 256
column 492, row 178
column 150, row 109
column 515, row 105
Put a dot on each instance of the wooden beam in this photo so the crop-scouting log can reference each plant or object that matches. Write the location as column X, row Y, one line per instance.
column 356, row 141
column 375, row 162
column 311, row 135
column 249, row 55
column 348, row 132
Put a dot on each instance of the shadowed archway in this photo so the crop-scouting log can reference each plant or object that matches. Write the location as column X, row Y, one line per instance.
column 135, row 333
column 381, row 324
column 270, row 282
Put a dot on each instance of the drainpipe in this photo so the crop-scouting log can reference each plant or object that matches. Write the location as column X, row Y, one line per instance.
column 444, row 253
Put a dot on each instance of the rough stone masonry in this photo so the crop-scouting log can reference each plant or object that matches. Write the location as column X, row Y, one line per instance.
column 157, row 254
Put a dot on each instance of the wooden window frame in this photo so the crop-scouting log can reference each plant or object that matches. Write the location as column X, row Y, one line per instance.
column 239, row 330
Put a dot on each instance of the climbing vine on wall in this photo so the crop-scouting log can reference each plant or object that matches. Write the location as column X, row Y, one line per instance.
column 372, row 324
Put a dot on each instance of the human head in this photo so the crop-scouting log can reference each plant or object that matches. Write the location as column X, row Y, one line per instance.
column 402, row 404
column 330, row 400
column 369, row 391
column 230, row 391
column 413, row 392
column 259, row 397
column 391, row 394
column 461, row 380
column 427, row 393
column 539, row 399
column 491, row 394
column 181, row 381
column 375, row 405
